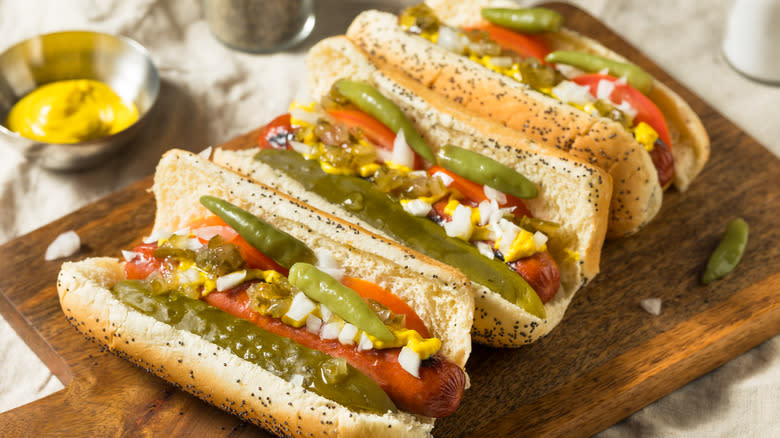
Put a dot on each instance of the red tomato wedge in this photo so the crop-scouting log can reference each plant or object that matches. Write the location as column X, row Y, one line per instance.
column 646, row 110
column 476, row 193
column 524, row 45
column 144, row 263
column 209, row 226
column 275, row 134
column 367, row 290
column 375, row 131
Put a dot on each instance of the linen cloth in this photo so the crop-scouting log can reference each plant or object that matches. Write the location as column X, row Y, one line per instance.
column 210, row 93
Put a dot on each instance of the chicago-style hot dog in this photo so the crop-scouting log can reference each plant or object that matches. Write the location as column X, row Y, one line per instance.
column 605, row 110
column 439, row 193
column 232, row 308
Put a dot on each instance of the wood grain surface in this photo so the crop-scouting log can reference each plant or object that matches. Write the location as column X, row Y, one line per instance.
column 607, row 359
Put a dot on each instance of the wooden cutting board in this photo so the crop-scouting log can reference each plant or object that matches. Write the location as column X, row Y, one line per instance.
column 607, row 359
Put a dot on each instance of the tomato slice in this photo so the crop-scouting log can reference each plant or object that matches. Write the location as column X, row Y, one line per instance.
column 143, row 263
column 646, row 110
column 276, row 134
column 253, row 257
column 524, row 45
column 476, row 193
column 375, row 131
column 367, row 290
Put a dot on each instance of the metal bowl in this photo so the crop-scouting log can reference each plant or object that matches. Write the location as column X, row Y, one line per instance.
column 120, row 62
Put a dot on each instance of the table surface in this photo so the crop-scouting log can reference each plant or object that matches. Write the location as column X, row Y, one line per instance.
column 226, row 93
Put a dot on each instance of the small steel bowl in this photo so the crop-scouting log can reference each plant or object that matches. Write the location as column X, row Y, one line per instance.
column 120, row 62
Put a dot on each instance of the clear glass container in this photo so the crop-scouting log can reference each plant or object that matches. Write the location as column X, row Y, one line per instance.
column 260, row 26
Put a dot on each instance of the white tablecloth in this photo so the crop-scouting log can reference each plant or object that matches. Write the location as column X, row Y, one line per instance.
column 210, row 93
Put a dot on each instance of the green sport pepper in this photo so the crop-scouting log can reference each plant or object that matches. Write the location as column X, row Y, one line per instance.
column 529, row 20
column 728, row 253
column 383, row 212
column 635, row 76
column 280, row 246
column 371, row 101
column 486, row 171
column 342, row 300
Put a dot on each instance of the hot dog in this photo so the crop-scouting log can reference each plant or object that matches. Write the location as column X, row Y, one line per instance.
column 206, row 309
column 340, row 172
column 644, row 139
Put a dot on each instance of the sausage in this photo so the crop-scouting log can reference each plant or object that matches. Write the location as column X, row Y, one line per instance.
column 437, row 393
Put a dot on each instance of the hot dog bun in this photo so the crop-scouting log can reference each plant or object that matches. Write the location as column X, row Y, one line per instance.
column 572, row 193
column 437, row 293
column 637, row 193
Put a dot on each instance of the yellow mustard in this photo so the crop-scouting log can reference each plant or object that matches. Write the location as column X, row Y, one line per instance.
column 71, row 111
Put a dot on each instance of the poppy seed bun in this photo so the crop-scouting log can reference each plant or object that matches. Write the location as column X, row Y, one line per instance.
column 571, row 193
column 241, row 387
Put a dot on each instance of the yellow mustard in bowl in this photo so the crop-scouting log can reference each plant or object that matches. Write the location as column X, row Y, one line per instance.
column 71, row 111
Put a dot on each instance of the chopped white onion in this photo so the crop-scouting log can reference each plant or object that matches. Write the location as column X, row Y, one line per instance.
column 384, row 155
column 233, row 279
column 330, row 330
column 501, row 61
column 445, row 179
column 621, row 80
column 507, row 234
column 651, row 305
column 191, row 275
column 402, row 153
column 157, row 235
column 418, row 174
column 417, row 207
column 304, row 115
column 325, row 313
column 206, row 153
column 486, row 250
column 300, row 307
column 409, row 361
column 302, row 148
column 450, row 39
column 192, row 243
column 604, row 89
column 539, row 239
column 494, row 195
column 347, row 334
column 64, row 245
column 603, row 71
column 570, row 92
column 313, row 324
column 460, row 226
column 627, row 109
column 296, row 380
column 327, row 264
column 365, row 343
column 206, row 233
column 486, row 209
column 129, row 255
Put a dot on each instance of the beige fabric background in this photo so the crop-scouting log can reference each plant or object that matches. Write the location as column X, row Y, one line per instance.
column 210, row 94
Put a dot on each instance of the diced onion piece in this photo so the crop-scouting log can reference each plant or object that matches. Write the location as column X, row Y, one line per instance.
column 304, row 115
column 494, row 195
column 621, row 80
column 64, row 245
column 206, row 233
column 191, row 275
column 330, row 330
column 486, row 209
column 570, row 92
column 627, row 109
column 409, row 361
column 206, row 153
column 347, row 334
column 486, row 250
column 460, row 226
column 445, row 179
column 450, row 39
column 539, row 239
column 302, row 148
column 297, row 380
column 157, row 235
column 384, row 155
column 300, row 307
column 604, row 89
column 327, row 264
column 325, row 313
column 501, row 61
column 313, row 324
column 365, row 343
column 417, row 207
column 507, row 234
column 233, row 279
column 651, row 305
column 192, row 243
column 128, row 255
column 402, row 153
